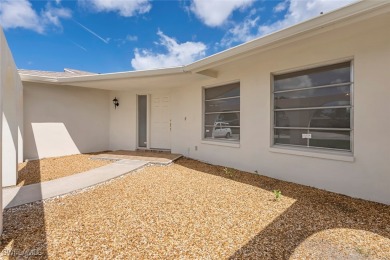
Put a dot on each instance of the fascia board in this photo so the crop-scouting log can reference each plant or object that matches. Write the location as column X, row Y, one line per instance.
column 107, row 76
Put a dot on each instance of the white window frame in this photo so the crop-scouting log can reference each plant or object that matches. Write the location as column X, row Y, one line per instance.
column 216, row 141
column 313, row 151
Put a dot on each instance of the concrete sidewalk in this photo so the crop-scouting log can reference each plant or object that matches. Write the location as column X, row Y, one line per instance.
column 162, row 158
column 16, row 196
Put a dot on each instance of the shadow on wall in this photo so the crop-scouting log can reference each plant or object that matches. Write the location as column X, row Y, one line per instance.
column 53, row 139
column 313, row 212
column 32, row 218
column 64, row 120
column 9, row 146
column 11, row 121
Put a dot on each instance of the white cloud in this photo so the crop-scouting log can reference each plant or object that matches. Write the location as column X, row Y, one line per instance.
column 128, row 38
column 241, row 32
column 131, row 38
column 215, row 12
column 297, row 11
column 125, row 8
column 281, row 7
column 177, row 54
column 53, row 14
column 20, row 14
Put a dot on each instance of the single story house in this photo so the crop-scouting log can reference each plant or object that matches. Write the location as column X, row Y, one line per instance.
column 308, row 104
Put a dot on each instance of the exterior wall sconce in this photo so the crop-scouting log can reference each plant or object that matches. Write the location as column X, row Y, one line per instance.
column 116, row 102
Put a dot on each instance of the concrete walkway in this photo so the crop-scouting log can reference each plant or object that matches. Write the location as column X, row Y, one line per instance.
column 162, row 158
column 16, row 196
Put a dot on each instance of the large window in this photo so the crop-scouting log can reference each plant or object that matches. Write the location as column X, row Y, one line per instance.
column 313, row 108
column 222, row 112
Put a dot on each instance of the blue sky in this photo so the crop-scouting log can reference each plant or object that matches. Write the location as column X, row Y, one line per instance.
column 120, row 35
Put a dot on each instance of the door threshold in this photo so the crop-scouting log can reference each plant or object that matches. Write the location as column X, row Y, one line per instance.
column 154, row 150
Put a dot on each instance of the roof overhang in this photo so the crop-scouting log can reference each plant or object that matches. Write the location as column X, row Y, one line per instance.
column 205, row 68
column 160, row 78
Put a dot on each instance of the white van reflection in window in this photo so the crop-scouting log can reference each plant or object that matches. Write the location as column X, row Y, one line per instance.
column 221, row 130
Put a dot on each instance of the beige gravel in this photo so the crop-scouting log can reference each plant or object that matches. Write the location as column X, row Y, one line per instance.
column 53, row 168
column 193, row 210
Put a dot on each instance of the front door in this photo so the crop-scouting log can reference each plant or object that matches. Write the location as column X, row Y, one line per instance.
column 160, row 122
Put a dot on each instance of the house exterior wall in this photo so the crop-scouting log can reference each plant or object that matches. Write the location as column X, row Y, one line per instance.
column 64, row 120
column 60, row 120
column 366, row 176
column 10, row 132
column 10, row 128
column 123, row 119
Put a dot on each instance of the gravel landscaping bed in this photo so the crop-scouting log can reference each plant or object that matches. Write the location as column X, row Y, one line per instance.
column 53, row 168
column 193, row 210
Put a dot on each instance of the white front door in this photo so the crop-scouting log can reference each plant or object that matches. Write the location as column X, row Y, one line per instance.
column 160, row 122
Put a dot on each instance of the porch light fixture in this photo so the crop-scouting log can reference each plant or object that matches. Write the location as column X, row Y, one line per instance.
column 116, row 102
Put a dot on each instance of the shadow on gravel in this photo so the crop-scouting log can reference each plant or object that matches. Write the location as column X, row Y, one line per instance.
column 29, row 173
column 24, row 232
column 314, row 211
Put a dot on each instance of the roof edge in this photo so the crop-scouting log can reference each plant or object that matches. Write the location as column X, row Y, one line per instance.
column 358, row 10
column 106, row 76
column 339, row 15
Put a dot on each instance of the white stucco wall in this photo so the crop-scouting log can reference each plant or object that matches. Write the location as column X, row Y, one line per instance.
column 123, row 119
column 10, row 101
column 12, row 117
column 63, row 120
column 368, row 176
column 19, row 111
column 10, row 128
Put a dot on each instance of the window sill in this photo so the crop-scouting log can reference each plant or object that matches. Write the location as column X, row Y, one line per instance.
column 316, row 153
column 221, row 143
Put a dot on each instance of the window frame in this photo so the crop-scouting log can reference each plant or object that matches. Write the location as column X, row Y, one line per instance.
column 313, row 149
column 217, row 141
